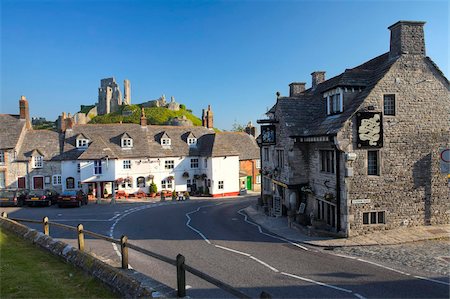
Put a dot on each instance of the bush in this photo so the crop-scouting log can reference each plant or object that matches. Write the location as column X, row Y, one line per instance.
column 153, row 188
column 183, row 106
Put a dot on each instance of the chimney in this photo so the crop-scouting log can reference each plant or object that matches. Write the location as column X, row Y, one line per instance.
column 24, row 111
column 69, row 123
column 407, row 37
column 62, row 122
column 207, row 118
column 143, row 118
column 250, row 129
column 317, row 78
column 296, row 89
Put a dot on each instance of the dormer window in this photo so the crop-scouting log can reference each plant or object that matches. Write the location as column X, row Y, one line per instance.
column 82, row 143
column 165, row 141
column 192, row 141
column 38, row 161
column 126, row 141
column 334, row 100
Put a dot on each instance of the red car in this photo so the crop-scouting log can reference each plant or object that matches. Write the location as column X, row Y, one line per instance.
column 72, row 198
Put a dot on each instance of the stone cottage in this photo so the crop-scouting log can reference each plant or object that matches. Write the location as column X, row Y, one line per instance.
column 360, row 151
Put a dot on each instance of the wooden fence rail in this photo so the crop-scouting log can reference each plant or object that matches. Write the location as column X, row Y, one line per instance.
column 179, row 262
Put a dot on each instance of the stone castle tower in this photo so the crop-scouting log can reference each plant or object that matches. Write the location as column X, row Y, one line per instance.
column 207, row 118
column 110, row 97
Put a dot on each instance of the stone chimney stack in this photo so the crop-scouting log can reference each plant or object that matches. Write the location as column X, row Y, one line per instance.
column 250, row 129
column 143, row 118
column 25, row 111
column 69, row 123
column 317, row 78
column 296, row 89
column 62, row 122
column 407, row 37
column 207, row 118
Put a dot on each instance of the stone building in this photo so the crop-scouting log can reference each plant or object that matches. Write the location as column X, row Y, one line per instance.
column 110, row 96
column 360, row 151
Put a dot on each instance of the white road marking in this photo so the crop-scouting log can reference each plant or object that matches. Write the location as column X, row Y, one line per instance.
column 264, row 264
column 194, row 229
column 317, row 282
column 433, row 280
column 270, row 235
column 232, row 250
column 359, row 296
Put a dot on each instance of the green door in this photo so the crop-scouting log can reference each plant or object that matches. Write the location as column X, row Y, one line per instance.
column 249, row 183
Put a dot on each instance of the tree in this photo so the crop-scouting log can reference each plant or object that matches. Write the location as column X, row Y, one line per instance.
column 237, row 127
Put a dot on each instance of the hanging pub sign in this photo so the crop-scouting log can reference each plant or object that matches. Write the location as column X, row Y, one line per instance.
column 268, row 134
column 369, row 129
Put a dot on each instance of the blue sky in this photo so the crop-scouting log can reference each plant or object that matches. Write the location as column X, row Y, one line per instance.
column 233, row 55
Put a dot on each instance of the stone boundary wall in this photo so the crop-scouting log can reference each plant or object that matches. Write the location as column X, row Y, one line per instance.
column 128, row 283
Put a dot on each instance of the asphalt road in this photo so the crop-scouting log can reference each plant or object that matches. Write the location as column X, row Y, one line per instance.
column 216, row 238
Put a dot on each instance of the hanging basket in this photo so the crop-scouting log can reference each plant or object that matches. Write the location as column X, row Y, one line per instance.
column 185, row 174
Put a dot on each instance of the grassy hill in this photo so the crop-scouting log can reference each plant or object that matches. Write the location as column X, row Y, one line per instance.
column 155, row 116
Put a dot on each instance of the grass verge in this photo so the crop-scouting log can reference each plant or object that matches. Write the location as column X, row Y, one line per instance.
column 27, row 271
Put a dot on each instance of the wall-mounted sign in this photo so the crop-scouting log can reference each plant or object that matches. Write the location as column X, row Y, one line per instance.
column 360, row 201
column 268, row 134
column 369, row 129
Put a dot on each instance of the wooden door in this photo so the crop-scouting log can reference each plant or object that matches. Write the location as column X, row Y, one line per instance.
column 21, row 183
column 38, row 182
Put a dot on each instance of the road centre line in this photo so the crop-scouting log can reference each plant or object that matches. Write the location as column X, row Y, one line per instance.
column 232, row 250
column 264, row 264
column 433, row 280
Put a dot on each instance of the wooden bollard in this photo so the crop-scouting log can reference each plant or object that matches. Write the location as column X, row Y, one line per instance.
column 80, row 237
column 181, row 276
column 4, row 215
column 46, row 226
column 124, row 251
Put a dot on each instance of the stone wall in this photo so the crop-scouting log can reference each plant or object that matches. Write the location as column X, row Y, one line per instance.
column 410, row 187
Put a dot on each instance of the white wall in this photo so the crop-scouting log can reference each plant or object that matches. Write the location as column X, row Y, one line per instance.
column 225, row 169
column 69, row 169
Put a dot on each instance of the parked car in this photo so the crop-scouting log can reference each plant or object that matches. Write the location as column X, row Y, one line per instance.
column 45, row 197
column 10, row 197
column 72, row 198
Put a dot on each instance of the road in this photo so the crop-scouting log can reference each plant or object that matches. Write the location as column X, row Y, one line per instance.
column 216, row 238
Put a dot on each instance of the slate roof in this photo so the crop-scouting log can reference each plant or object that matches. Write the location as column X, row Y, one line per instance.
column 10, row 129
column 44, row 142
column 242, row 143
column 306, row 115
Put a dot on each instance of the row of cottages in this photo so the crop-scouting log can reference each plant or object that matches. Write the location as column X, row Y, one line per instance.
column 360, row 151
column 105, row 158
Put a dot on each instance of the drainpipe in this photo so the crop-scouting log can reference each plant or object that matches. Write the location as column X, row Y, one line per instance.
column 338, row 189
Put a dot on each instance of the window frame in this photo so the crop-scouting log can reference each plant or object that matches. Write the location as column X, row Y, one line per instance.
column 82, row 143
column 38, row 162
column 127, row 143
column 195, row 163
column 166, row 141
column 2, row 157
column 98, row 167
column 169, row 164
column 389, row 105
column 280, row 158
column 373, row 218
column 166, row 184
column 142, row 183
column 67, row 183
column 56, row 180
column 2, row 179
column 258, row 164
column 370, row 163
column 327, row 161
column 220, row 185
column 192, row 141
column 126, row 164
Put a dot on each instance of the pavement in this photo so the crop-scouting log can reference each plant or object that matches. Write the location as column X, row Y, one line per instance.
column 298, row 233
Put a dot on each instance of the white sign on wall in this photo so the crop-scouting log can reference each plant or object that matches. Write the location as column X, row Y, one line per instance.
column 361, row 201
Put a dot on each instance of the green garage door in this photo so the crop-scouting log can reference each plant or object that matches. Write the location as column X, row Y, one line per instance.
column 249, row 183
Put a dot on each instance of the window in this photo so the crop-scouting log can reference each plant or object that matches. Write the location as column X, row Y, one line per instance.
column 266, row 153
column 21, row 183
column 140, row 182
column 373, row 163
column 258, row 179
column 79, row 185
column 194, row 163
column 2, row 179
column 280, row 158
column 126, row 164
column 78, row 167
column 258, row 164
column 169, row 164
column 70, row 183
column 166, row 184
column 205, row 162
column 165, row 141
column 56, row 180
column 192, row 141
column 220, row 185
column 82, row 143
column 377, row 217
column 98, row 167
column 127, row 142
column 38, row 162
column 334, row 102
column 389, row 104
column 327, row 161
column 2, row 157
column 126, row 184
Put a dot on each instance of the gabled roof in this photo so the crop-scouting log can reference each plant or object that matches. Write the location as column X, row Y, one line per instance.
column 306, row 115
column 242, row 143
column 40, row 142
column 125, row 135
column 11, row 128
column 81, row 136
